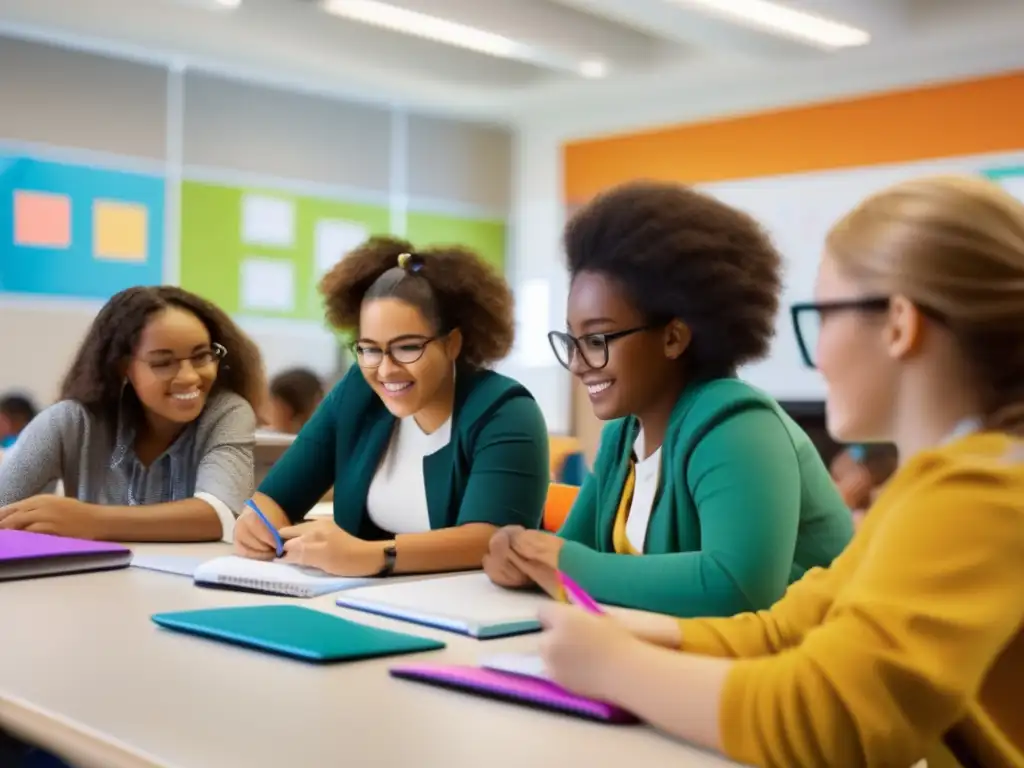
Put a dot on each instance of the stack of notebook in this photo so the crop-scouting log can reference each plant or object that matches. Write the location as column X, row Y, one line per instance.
column 25, row 555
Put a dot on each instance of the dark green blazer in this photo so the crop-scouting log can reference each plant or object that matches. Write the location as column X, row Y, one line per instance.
column 744, row 507
column 494, row 470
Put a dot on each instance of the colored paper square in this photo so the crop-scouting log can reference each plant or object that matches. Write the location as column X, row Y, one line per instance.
column 42, row 220
column 119, row 230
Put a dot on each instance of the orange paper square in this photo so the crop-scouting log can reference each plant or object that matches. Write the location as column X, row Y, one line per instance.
column 119, row 230
column 42, row 219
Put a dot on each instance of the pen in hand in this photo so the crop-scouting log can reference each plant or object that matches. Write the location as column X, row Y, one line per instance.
column 278, row 541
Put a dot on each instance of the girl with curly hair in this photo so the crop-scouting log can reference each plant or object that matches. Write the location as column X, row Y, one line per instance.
column 706, row 498
column 153, row 435
column 428, row 451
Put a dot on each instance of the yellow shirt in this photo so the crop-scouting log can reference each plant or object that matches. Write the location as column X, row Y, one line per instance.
column 914, row 635
column 620, row 541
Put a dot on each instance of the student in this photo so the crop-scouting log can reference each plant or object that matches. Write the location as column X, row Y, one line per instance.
column 428, row 451
column 294, row 396
column 705, row 497
column 16, row 411
column 911, row 645
column 153, row 434
column 860, row 471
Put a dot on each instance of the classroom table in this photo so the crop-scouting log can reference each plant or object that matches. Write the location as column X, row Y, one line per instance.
column 87, row 675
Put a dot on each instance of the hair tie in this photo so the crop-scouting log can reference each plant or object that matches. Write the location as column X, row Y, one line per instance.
column 410, row 262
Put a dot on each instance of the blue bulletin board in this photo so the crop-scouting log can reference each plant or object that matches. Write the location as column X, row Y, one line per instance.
column 76, row 230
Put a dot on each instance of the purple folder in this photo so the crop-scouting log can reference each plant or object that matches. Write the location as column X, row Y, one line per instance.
column 519, row 689
column 26, row 555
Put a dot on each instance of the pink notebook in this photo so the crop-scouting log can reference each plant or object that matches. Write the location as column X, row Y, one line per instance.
column 26, row 555
column 520, row 689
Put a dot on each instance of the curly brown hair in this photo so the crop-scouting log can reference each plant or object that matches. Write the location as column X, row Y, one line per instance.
column 452, row 286
column 96, row 376
column 682, row 254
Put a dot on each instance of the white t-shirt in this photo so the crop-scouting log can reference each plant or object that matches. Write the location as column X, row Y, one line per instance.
column 397, row 501
column 645, row 489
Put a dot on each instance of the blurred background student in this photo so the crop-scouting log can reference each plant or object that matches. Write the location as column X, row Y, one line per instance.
column 16, row 411
column 860, row 471
column 294, row 395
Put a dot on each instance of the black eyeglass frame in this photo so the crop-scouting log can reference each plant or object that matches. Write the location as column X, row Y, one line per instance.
column 422, row 341
column 606, row 339
column 821, row 308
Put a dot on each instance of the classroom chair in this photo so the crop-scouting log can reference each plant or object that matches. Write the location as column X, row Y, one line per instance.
column 559, row 502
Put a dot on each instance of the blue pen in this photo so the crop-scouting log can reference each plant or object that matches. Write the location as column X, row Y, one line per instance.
column 277, row 536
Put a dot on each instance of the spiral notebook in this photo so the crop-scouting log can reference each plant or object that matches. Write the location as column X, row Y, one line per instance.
column 274, row 578
column 525, row 689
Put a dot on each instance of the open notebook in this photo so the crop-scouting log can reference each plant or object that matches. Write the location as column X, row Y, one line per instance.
column 25, row 555
column 468, row 604
column 274, row 577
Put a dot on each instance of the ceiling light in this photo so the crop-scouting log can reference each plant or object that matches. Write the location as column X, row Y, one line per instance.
column 438, row 30
column 790, row 22
column 229, row 3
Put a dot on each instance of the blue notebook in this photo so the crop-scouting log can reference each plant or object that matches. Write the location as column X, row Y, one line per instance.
column 291, row 630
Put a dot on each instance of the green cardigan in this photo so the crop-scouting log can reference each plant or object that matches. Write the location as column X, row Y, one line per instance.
column 744, row 507
column 494, row 470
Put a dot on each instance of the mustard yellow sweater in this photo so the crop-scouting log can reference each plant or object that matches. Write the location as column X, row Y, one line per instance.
column 911, row 645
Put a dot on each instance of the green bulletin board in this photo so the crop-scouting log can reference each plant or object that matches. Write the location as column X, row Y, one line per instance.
column 214, row 250
column 218, row 247
column 485, row 236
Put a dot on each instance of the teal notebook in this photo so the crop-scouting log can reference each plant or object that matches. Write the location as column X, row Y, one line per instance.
column 301, row 633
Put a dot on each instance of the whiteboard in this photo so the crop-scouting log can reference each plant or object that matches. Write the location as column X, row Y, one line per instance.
column 798, row 210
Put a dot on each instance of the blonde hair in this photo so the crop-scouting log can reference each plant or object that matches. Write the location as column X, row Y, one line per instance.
column 955, row 246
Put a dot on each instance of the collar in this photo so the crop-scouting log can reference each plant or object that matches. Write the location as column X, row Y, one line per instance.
column 124, row 445
column 963, row 428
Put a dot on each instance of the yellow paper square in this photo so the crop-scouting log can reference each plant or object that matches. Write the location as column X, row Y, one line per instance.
column 119, row 230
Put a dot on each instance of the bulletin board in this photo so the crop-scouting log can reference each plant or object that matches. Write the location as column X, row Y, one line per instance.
column 261, row 252
column 78, row 230
column 487, row 237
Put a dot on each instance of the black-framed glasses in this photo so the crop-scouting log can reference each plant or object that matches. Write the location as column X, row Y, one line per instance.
column 167, row 368
column 592, row 347
column 401, row 351
column 807, row 317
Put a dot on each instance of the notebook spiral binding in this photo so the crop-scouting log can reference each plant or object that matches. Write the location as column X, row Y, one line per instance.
column 262, row 585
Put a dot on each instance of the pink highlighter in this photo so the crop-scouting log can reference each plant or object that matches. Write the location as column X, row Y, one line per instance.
column 575, row 595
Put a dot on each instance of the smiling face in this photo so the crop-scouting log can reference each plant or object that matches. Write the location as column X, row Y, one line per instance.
column 855, row 360
column 174, row 366
column 419, row 369
column 641, row 366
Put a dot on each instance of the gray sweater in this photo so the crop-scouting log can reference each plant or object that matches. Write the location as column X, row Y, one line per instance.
column 212, row 459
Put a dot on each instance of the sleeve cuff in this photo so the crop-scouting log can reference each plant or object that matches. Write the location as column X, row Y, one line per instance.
column 226, row 516
column 697, row 637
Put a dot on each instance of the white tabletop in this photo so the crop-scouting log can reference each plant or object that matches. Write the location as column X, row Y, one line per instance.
column 85, row 673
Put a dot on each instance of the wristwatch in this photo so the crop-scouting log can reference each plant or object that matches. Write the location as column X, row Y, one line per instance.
column 390, row 555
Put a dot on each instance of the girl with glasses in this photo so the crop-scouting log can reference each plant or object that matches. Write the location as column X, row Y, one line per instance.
column 153, row 435
column 705, row 498
column 429, row 452
column 911, row 645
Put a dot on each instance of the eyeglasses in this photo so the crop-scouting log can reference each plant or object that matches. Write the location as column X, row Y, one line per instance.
column 403, row 352
column 168, row 368
column 807, row 318
column 592, row 347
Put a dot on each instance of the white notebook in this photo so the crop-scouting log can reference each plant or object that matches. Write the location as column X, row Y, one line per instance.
column 272, row 577
column 468, row 604
column 523, row 664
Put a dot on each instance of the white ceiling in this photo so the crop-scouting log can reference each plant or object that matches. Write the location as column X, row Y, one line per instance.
column 656, row 50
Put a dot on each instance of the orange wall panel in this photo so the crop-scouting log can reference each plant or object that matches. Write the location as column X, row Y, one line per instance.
column 963, row 118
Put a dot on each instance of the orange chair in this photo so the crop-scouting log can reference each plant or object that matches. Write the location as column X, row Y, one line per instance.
column 559, row 502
